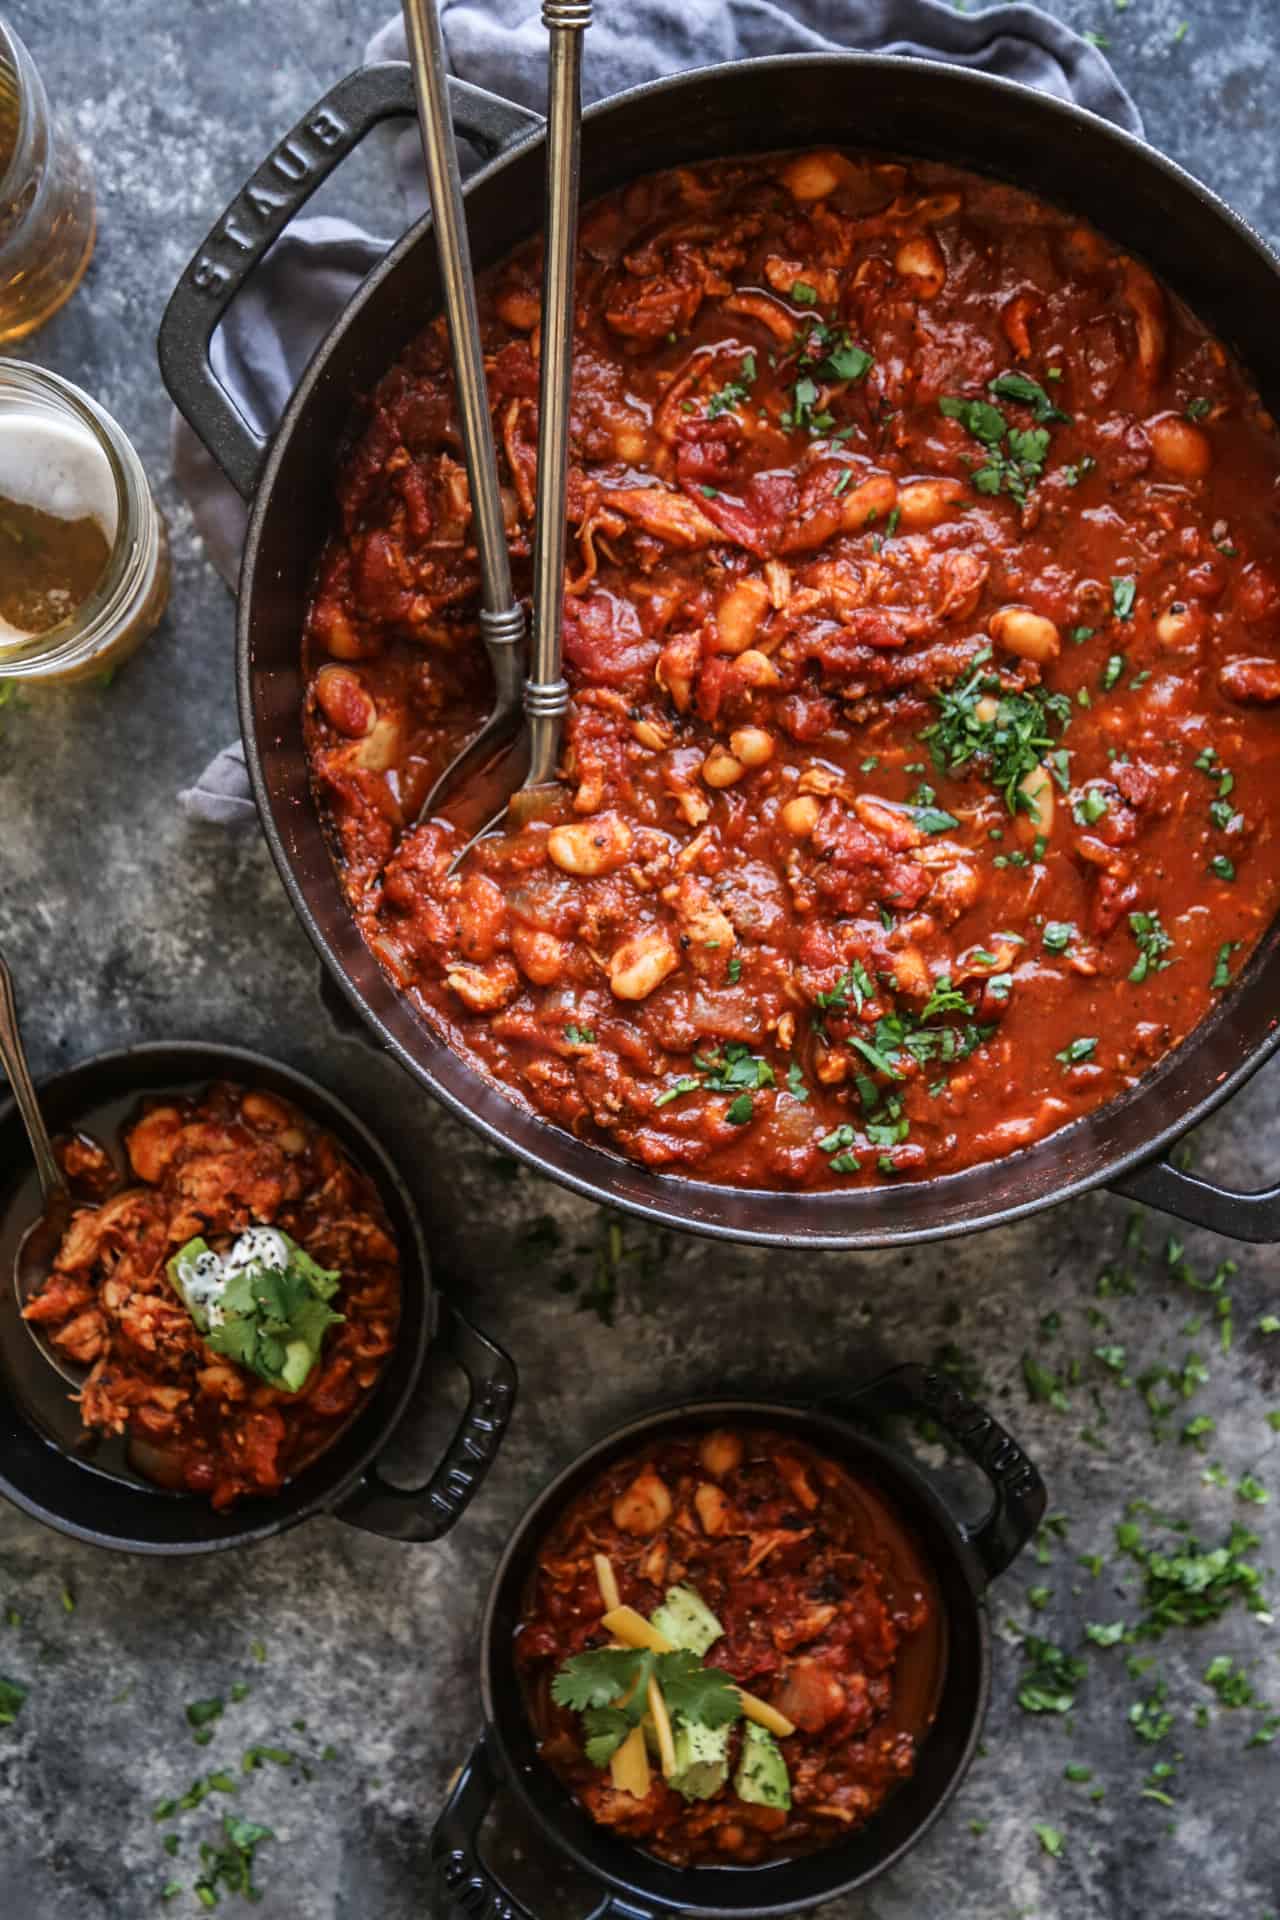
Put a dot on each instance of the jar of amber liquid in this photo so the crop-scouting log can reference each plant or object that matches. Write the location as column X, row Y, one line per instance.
column 46, row 199
column 84, row 556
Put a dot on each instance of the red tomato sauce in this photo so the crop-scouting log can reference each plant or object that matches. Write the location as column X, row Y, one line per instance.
column 829, row 1613
column 923, row 629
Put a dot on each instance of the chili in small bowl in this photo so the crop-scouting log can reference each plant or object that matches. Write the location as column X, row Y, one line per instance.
column 188, row 1439
column 818, row 1715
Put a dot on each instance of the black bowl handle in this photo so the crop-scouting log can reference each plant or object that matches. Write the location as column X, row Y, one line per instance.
column 259, row 214
column 1020, row 1497
column 1243, row 1216
column 425, row 1513
column 461, row 1874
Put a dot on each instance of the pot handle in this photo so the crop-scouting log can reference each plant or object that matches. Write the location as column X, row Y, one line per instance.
column 1020, row 1497
column 259, row 214
column 460, row 1873
column 1242, row 1216
column 425, row 1513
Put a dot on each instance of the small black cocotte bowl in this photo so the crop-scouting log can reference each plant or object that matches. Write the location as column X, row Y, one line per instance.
column 964, row 1558
column 84, row 1487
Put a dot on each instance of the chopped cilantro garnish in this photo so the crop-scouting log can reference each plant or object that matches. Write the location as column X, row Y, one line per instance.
column 1011, row 732
column 802, row 292
column 12, row 1700
column 1154, row 945
column 739, row 1111
column 1050, row 1839
column 795, row 1083
column 1058, row 935
column 1222, row 969
column 669, row 1094
column 1198, row 409
column 579, row 1036
column 846, row 362
column 1050, row 1685
column 1089, row 806
column 1112, row 671
column 1018, row 386
column 1075, row 1051
column 1123, row 593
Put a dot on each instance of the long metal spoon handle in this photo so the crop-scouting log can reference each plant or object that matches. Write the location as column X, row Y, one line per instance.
column 426, row 48
column 14, row 1061
column 546, row 692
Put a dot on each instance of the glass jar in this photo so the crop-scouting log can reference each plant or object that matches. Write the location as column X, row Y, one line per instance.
column 69, row 478
column 46, row 199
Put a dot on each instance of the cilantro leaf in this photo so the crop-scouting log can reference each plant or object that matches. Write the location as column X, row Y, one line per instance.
column 605, row 1728
column 598, row 1677
column 1018, row 386
column 698, row 1695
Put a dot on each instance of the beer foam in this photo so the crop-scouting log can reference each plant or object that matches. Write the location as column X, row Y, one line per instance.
column 57, row 466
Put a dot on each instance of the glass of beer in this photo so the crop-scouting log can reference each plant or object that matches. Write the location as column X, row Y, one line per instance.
column 46, row 199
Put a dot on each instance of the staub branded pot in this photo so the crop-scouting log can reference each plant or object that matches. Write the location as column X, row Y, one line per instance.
column 918, row 107
column 964, row 1560
column 60, row 1475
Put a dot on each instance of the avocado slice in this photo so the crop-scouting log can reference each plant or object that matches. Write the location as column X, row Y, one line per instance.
column 702, row 1761
column 687, row 1621
column 762, row 1776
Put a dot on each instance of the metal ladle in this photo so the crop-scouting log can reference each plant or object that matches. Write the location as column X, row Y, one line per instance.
column 33, row 1261
column 502, row 626
column 546, row 692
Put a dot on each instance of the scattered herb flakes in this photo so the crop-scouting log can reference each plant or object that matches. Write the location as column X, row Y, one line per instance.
column 1011, row 732
column 1038, row 1598
column 1076, row 1050
column 795, row 1082
column 1154, row 943
column 201, row 1712
column 1150, row 1718
column 1123, row 594
column 230, row 1867
column 1108, row 1635
column 1050, row 1686
column 256, row 1757
column 579, row 1036
column 1248, row 1488
column 1222, row 970
column 1192, row 1585
column 12, row 1700
column 258, row 1650
column 1050, row 1839
column 1076, row 1772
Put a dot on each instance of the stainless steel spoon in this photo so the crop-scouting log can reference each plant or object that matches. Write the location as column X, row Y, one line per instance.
column 33, row 1260
column 546, row 692
column 502, row 626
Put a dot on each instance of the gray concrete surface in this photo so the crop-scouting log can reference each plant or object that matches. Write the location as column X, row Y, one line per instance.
column 122, row 922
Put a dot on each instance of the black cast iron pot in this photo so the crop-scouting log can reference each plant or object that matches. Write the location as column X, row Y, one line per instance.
column 64, row 1477
column 963, row 1558
column 909, row 106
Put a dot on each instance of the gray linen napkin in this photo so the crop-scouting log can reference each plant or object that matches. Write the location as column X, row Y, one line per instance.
column 287, row 308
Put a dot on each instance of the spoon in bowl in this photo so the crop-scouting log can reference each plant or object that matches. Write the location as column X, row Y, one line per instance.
column 546, row 692
column 502, row 626
column 33, row 1261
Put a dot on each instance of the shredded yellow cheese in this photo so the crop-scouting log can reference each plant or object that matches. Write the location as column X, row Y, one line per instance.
column 764, row 1715
column 610, row 1598
column 662, row 1727
column 625, row 1624
column 629, row 1767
